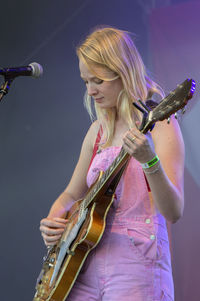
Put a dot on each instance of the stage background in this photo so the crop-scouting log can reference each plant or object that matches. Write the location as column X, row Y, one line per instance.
column 43, row 121
column 175, row 49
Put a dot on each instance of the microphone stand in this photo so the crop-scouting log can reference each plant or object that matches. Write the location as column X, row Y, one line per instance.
column 5, row 87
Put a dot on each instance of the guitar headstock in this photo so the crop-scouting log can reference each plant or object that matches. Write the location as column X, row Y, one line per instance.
column 169, row 105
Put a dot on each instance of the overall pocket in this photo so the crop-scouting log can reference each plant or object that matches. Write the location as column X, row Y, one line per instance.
column 142, row 239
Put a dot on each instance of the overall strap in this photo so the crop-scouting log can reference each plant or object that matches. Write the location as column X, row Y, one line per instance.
column 96, row 145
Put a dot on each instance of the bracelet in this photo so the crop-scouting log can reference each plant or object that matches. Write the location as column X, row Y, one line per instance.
column 152, row 171
column 150, row 163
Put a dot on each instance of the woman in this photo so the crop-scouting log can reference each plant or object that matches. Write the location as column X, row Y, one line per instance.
column 132, row 260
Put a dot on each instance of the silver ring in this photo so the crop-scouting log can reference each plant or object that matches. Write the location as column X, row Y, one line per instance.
column 132, row 139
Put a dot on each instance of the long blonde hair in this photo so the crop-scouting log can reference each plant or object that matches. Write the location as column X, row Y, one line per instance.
column 114, row 50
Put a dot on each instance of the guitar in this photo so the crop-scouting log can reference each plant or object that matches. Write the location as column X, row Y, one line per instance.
column 87, row 217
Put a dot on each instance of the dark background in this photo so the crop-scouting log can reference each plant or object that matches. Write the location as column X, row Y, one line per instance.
column 43, row 122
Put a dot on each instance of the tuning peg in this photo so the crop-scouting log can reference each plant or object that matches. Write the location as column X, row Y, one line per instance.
column 168, row 120
column 175, row 115
column 183, row 110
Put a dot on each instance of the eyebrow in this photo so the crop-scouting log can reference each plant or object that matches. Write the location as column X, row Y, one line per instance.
column 91, row 78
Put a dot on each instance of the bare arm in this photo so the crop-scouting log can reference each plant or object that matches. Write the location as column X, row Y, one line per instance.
column 52, row 227
column 167, row 184
column 166, row 180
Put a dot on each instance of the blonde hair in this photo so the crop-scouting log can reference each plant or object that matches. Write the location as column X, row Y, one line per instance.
column 115, row 51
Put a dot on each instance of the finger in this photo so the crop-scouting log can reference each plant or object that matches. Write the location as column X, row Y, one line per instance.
column 139, row 139
column 140, row 135
column 129, row 147
column 135, row 132
column 50, row 242
column 60, row 220
column 132, row 135
column 51, row 231
column 51, row 238
column 52, row 223
column 130, row 140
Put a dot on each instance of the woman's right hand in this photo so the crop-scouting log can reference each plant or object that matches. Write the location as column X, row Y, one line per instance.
column 52, row 229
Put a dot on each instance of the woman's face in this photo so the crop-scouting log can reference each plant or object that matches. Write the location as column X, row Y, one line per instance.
column 104, row 93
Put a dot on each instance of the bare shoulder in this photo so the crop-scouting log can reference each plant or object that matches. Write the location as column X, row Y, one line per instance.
column 91, row 135
column 77, row 186
column 168, row 136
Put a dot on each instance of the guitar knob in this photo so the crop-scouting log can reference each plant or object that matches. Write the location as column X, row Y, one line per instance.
column 52, row 260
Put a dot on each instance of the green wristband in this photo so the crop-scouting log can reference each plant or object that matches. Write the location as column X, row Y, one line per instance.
column 150, row 163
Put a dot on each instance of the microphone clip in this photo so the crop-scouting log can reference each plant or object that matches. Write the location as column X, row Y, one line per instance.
column 5, row 87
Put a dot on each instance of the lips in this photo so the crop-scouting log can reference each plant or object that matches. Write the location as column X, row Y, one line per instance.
column 99, row 99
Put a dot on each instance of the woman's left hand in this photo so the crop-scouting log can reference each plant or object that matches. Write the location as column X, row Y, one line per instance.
column 138, row 145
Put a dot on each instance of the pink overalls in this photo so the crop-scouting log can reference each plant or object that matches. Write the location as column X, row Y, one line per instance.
column 132, row 261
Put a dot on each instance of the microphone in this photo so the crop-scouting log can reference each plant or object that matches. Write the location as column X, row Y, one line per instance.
column 33, row 69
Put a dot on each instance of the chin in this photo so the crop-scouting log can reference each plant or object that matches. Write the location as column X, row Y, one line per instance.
column 105, row 106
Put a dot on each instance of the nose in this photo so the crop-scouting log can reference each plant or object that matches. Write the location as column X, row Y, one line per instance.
column 91, row 89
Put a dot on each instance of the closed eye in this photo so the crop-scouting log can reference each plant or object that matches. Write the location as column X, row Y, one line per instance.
column 96, row 80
